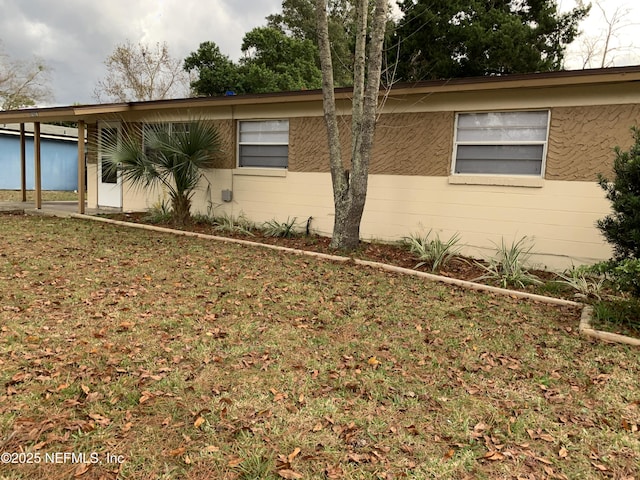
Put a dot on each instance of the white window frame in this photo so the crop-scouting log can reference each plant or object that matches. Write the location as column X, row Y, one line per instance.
column 489, row 177
column 240, row 144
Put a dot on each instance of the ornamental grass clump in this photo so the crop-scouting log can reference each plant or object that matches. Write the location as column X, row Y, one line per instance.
column 509, row 267
column 435, row 253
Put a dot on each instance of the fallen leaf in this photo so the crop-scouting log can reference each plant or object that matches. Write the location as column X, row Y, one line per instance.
column 289, row 474
column 198, row 423
column 373, row 361
column 563, row 453
column 211, row 449
column 81, row 470
column 546, row 437
column 293, row 454
column 234, row 461
column 177, row 452
column 317, row 427
column 334, row 473
column 493, row 456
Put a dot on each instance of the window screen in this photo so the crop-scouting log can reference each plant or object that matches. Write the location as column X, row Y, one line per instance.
column 263, row 144
column 502, row 143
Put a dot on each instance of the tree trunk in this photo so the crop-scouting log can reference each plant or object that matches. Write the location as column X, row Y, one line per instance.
column 350, row 186
column 181, row 205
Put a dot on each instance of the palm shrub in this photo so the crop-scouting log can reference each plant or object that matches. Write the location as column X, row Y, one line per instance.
column 622, row 227
column 155, row 155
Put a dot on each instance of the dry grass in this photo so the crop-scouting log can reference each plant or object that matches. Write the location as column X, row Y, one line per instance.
column 47, row 196
column 193, row 359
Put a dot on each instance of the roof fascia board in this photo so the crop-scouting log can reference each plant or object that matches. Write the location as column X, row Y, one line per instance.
column 539, row 80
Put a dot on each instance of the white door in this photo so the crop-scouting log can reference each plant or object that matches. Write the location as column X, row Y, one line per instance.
column 109, row 183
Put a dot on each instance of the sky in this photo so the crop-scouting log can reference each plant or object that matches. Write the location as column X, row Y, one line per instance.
column 74, row 37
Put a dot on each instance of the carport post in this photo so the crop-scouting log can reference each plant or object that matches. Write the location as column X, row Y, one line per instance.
column 23, row 163
column 81, row 167
column 36, row 156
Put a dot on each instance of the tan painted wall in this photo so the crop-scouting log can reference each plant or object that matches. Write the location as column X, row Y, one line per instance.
column 559, row 217
column 92, row 185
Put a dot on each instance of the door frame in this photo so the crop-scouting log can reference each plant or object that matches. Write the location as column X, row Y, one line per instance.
column 109, row 193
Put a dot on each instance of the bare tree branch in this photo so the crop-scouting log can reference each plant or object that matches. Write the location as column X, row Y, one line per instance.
column 139, row 73
column 23, row 83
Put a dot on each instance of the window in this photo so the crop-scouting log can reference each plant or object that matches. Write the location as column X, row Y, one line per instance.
column 501, row 143
column 263, row 144
column 169, row 128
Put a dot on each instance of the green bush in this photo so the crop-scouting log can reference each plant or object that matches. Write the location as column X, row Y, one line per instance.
column 624, row 274
column 622, row 227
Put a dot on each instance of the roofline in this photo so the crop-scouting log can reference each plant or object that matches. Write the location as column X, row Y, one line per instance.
column 530, row 80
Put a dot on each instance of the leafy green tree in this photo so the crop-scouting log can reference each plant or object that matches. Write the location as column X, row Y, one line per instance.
column 460, row 38
column 298, row 21
column 272, row 62
column 275, row 62
column 216, row 72
column 171, row 158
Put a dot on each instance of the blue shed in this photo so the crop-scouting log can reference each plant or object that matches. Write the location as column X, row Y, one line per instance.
column 59, row 157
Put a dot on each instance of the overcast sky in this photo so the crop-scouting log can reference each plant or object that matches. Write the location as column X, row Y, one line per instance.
column 74, row 37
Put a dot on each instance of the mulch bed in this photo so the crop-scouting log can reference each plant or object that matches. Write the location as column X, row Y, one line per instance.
column 463, row 268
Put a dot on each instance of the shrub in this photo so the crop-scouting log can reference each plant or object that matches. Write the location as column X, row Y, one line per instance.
column 160, row 212
column 622, row 227
column 433, row 252
column 230, row 224
column 286, row 229
column 509, row 266
column 587, row 282
column 624, row 274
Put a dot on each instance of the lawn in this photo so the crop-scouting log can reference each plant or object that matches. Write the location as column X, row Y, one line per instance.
column 47, row 196
column 167, row 357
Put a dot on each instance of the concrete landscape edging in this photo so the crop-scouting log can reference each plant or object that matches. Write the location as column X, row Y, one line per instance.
column 585, row 317
column 585, row 329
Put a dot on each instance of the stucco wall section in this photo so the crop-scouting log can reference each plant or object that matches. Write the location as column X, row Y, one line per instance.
column 405, row 144
column 581, row 140
column 227, row 156
column 92, row 143
column 413, row 144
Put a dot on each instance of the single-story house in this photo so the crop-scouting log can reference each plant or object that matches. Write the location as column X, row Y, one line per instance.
column 58, row 149
column 487, row 158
